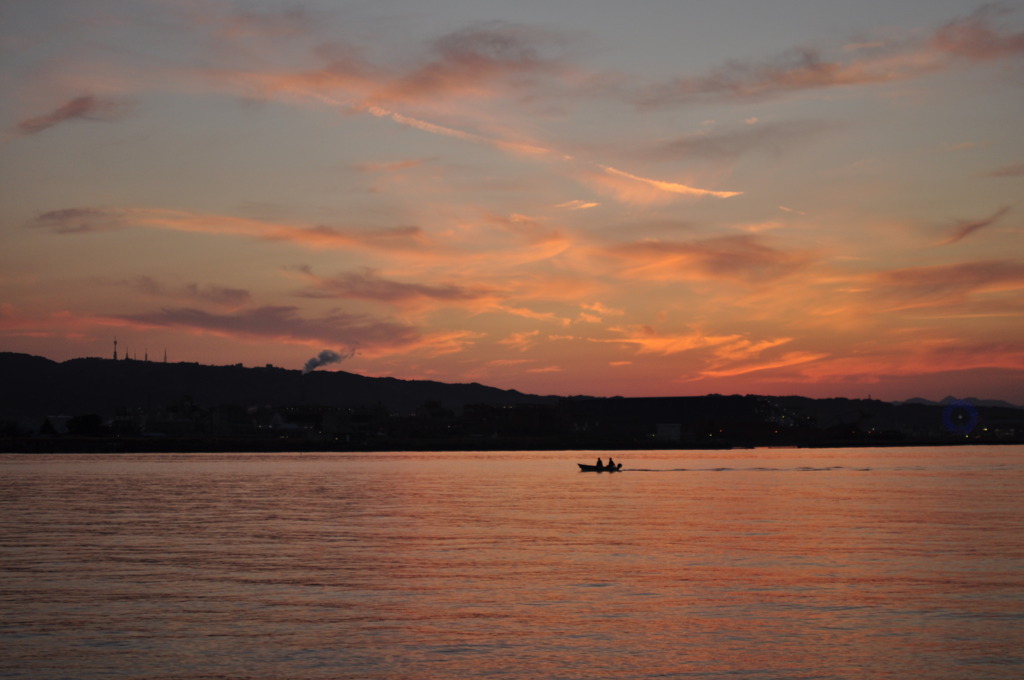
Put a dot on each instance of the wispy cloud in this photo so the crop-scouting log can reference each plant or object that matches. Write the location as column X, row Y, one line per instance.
column 287, row 23
column 595, row 312
column 546, row 369
column 284, row 324
column 967, row 227
column 1014, row 170
column 577, row 205
column 212, row 293
column 971, row 39
column 745, row 258
column 768, row 138
column 80, row 220
column 368, row 285
column 476, row 60
column 783, row 361
column 663, row 186
column 974, row 38
column 521, row 341
column 648, row 340
column 85, row 107
column 945, row 285
column 89, row 220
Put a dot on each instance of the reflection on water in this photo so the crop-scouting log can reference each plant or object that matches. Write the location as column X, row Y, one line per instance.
column 753, row 564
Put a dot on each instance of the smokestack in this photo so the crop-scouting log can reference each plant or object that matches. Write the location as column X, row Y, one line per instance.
column 326, row 357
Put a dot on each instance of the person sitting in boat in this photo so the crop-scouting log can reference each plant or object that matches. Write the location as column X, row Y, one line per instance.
column 599, row 464
column 611, row 463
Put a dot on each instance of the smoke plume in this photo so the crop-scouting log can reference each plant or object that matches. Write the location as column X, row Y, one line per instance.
column 326, row 357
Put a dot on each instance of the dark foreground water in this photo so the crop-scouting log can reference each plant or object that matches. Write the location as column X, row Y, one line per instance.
column 846, row 563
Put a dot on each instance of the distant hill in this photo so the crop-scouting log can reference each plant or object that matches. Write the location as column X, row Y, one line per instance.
column 104, row 405
column 34, row 387
column 996, row 403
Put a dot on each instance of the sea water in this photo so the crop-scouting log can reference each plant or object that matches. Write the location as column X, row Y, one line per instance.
column 767, row 563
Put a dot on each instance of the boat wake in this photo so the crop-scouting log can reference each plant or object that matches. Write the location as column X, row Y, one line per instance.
column 802, row 468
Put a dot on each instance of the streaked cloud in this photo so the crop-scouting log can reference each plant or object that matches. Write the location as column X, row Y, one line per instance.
column 90, row 220
column 630, row 194
column 769, row 138
column 646, row 339
column 546, row 369
column 972, row 39
column 783, row 361
column 967, row 227
column 284, row 324
column 368, row 285
column 744, row 258
column 945, row 284
column 521, row 341
column 476, row 59
column 536, row 204
column 212, row 293
column 577, row 205
column 85, row 107
column 1014, row 170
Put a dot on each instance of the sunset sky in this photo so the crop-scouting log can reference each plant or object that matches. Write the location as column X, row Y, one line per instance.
column 661, row 197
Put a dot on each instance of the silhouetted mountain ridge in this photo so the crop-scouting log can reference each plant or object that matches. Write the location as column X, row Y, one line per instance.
column 35, row 386
column 996, row 403
column 102, row 404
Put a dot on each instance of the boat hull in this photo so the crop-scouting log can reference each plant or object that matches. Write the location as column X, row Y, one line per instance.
column 599, row 468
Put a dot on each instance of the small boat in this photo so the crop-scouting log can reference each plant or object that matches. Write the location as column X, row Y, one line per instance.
column 599, row 468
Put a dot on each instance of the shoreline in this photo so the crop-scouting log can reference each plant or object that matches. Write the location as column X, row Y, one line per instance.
column 60, row 445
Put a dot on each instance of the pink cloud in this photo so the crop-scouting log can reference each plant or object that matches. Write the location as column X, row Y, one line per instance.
column 648, row 340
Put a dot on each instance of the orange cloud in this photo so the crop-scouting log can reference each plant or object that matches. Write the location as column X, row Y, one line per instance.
column 577, row 205
column 647, row 340
column 661, row 186
column 546, row 369
column 596, row 312
column 521, row 341
column 786, row 360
